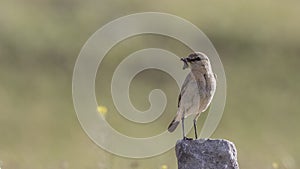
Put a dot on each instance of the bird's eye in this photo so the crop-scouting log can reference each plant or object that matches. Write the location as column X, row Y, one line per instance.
column 194, row 59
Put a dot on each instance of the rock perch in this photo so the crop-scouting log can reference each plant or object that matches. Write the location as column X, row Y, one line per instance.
column 206, row 154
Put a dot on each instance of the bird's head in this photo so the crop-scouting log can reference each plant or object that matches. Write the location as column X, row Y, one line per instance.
column 196, row 60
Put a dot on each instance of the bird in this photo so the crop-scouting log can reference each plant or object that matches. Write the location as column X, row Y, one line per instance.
column 197, row 90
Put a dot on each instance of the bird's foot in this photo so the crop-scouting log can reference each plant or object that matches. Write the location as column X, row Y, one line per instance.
column 186, row 138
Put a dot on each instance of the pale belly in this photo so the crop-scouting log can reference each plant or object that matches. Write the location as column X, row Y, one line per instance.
column 196, row 97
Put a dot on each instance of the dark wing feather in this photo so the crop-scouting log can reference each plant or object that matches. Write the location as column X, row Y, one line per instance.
column 179, row 99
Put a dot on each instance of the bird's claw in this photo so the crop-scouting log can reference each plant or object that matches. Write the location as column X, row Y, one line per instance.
column 186, row 138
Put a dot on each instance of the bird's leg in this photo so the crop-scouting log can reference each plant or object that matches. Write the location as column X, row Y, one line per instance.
column 182, row 124
column 195, row 125
column 195, row 128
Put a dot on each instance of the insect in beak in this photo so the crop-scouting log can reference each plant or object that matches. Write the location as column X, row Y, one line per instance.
column 185, row 65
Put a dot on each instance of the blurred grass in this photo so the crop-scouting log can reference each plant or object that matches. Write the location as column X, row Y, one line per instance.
column 258, row 43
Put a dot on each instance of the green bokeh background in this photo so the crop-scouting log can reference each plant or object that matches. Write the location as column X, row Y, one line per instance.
column 258, row 42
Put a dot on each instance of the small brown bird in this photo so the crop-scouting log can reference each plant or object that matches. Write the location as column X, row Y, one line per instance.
column 196, row 92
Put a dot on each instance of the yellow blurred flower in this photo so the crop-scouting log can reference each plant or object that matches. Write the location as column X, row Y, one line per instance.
column 275, row 165
column 164, row 167
column 102, row 110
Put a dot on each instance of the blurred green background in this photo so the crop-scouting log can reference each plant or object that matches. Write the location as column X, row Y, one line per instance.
column 258, row 42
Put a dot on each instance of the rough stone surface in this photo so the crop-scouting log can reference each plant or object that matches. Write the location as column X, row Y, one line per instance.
column 206, row 154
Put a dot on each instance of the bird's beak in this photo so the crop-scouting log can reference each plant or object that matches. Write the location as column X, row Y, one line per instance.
column 185, row 63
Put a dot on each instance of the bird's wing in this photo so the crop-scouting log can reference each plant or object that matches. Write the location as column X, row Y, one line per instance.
column 183, row 87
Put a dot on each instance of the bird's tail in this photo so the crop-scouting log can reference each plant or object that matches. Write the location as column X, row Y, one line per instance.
column 173, row 125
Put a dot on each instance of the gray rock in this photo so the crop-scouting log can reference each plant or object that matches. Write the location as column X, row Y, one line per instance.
column 206, row 154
